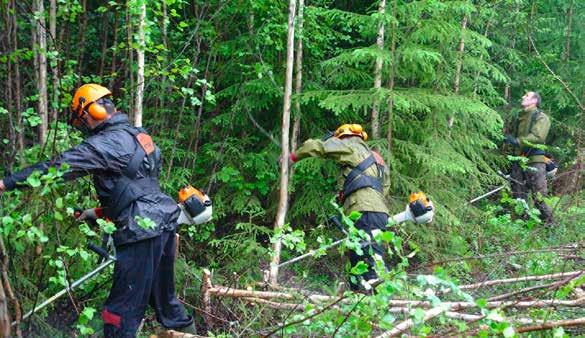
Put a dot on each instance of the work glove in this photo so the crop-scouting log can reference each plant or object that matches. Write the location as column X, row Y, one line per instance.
column 91, row 214
column 511, row 140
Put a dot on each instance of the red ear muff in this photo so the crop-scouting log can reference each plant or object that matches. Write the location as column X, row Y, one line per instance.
column 97, row 111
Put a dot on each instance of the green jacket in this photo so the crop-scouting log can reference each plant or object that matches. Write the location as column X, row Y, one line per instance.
column 348, row 153
column 535, row 134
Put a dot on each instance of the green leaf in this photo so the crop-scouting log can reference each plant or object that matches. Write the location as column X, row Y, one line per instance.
column 509, row 332
column 355, row 215
column 145, row 223
column 58, row 216
column 386, row 236
column 106, row 226
column 59, row 203
column 34, row 181
column 481, row 303
column 359, row 269
column 7, row 224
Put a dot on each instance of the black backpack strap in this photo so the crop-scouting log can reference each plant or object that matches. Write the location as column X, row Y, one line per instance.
column 360, row 168
column 129, row 188
column 356, row 179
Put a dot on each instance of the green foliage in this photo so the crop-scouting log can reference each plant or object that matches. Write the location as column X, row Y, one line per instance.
column 213, row 102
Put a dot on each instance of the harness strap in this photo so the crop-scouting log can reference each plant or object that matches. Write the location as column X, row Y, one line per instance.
column 356, row 179
column 128, row 188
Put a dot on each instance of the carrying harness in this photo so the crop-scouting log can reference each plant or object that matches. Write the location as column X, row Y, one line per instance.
column 129, row 188
column 530, row 151
column 357, row 179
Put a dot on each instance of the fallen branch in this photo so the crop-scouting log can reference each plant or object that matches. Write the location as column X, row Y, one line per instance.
column 239, row 293
column 206, row 297
column 491, row 305
column 521, row 279
column 554, row 285
column 512, row 253
column 276, row 305
column 552, row 325
column 407, row 324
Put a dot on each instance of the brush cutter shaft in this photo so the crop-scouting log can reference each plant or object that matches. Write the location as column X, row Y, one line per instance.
column 69, row 288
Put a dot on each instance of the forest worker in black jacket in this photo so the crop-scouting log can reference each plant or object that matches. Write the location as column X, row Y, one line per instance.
column 125, row 165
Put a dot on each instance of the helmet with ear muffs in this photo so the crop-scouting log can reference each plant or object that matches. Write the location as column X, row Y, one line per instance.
column 85, row 102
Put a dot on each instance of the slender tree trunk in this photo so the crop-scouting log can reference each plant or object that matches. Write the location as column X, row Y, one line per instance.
column 285, row 153
column 460, row 50
column 485, row 34
column 568, row 35
column 199, row 114
column 459, row 63
column 298, row 81
column 160, row 110
column 17, row 83
column 378, row 71
column 130, row 58
column 140, row 78
column 55, row 62
column 105, row 35
column 4, row 315
column 9, row 97
column 532, row 14
column 392, row 79
column 43, row 108
column 114, row 52
column 82, row 42
column 507, row 89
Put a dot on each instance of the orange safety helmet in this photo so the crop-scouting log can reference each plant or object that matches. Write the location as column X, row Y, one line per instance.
column 85, row 99
column 351, row 129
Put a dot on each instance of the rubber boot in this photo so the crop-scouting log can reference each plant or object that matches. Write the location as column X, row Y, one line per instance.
column 190, row 329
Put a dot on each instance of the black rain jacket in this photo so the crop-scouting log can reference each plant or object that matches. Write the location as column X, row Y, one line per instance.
column 104, row 155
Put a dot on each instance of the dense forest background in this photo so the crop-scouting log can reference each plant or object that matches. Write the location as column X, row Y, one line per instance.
column 435, row 83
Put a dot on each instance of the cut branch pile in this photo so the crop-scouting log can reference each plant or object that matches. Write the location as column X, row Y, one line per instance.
column 296, row 299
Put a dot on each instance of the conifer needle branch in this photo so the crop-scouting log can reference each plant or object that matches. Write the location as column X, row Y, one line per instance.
column 567, row 88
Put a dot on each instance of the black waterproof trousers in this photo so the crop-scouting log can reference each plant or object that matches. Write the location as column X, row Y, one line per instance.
column 143, row 275
column 371, row 223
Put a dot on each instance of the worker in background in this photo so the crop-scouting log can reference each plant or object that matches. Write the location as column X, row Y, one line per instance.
column 531, row 130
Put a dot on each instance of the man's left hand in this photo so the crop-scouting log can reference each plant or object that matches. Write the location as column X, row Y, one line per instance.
column 2, row 187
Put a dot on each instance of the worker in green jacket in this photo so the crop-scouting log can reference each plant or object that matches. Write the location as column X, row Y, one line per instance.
column 531, row 131
column 363, row 184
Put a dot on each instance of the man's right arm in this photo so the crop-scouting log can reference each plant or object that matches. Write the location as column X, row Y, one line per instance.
column 82, row 160
column 333, row 148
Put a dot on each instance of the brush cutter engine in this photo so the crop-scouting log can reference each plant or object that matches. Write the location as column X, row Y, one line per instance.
column 196, row 207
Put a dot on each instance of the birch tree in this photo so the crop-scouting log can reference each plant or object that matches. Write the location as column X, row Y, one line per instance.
column 392, row 78
column 378, row 71
column 285, row 153
column 55, row 62
column 41, row 52
column 140, row 57
column 298, row 80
